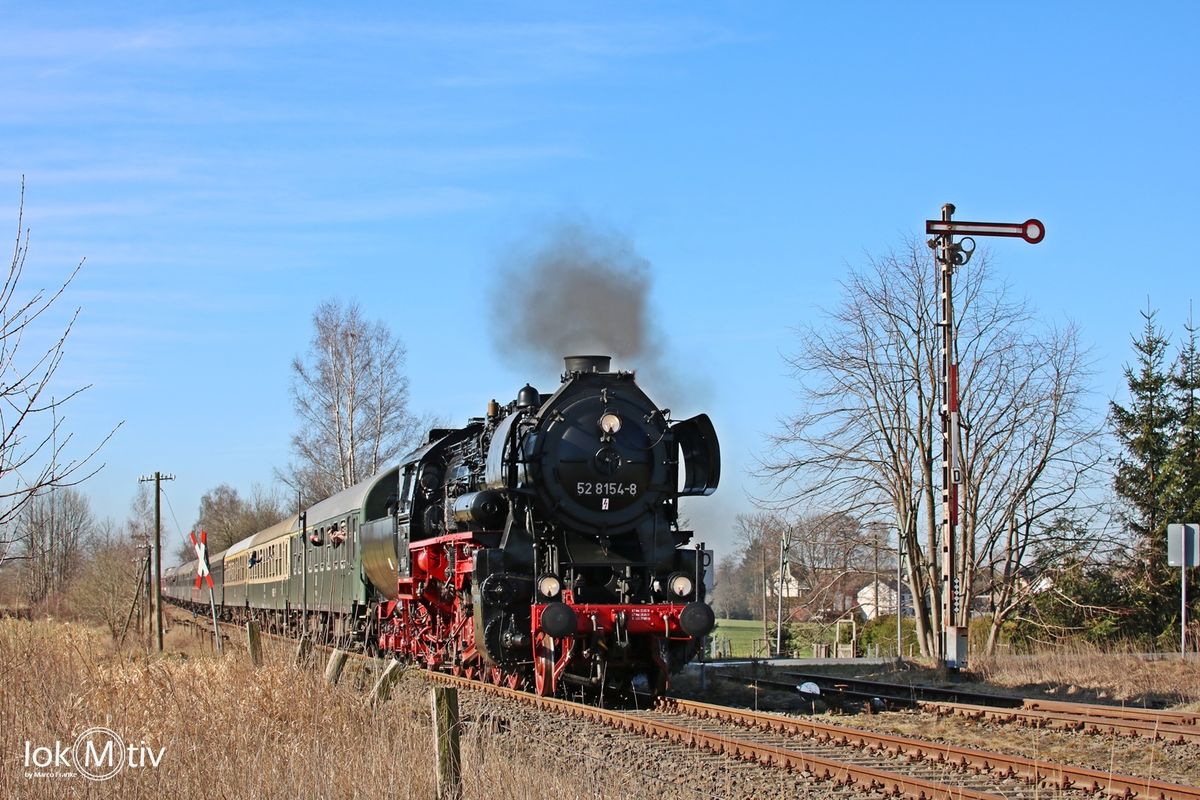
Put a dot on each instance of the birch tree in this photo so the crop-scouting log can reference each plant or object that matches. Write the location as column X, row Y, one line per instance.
column 350, row 395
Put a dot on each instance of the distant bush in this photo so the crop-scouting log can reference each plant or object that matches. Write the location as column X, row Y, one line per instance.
column 882, row 632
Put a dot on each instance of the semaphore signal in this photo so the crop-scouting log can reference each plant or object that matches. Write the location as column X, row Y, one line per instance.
column 1031, row 230
column 949, row 255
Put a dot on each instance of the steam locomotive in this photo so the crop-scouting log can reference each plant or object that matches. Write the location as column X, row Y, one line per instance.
column 537, row 546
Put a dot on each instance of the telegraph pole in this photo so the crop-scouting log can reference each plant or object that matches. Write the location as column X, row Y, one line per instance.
column 783, row 565
column 147, row 601
column 158, row 478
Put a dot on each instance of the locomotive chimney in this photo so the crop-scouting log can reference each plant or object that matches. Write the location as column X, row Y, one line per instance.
column 587, row 363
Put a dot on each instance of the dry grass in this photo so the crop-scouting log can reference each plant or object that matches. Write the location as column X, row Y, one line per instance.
column 229, row 730
column 1087, row 674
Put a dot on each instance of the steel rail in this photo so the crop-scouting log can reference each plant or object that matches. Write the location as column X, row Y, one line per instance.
column 827, row 769
column 1174, row 731
column 1163, row 715
column 1166, row 732
column 1031, row 770
column 916, row 692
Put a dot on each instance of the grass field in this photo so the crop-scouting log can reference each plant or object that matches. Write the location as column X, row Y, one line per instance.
column 739, row 638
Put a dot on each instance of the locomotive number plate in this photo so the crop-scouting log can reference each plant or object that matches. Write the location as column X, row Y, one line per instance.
column 606, row 488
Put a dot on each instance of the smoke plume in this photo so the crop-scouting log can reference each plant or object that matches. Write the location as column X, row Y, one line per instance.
column 576, row 290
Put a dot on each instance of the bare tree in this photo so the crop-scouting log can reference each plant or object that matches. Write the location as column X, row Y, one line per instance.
column 351, row 396
column 139, row 525
column 107, row 583
column 832, row 554
column 827, row 557
column 35, row 447
column 867, row 439
column 227, row 517
column 743, row 575
column 53, row 531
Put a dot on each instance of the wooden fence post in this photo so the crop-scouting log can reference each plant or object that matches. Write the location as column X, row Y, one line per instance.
column 383, row 687
column 333, row 669
column 444, row 700
column 254, row 642
column 303, row 648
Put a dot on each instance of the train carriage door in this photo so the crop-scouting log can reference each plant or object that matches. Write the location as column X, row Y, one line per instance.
column 297, row 579
column 359, row 578
column 344, row 543
column 318, row 558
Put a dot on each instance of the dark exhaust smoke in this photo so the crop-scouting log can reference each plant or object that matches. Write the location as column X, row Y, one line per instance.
column 577, row 289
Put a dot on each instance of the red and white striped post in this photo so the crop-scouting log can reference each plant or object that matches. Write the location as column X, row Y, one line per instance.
column 952, row 650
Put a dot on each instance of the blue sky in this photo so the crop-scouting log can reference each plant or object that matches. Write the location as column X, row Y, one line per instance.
column 223, row 169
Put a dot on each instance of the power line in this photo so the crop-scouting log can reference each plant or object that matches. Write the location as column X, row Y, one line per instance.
column 178, row 527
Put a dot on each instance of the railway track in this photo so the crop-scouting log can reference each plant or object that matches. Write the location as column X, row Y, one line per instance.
column 1157, row 724
column 842, row 757
column 1034, row 772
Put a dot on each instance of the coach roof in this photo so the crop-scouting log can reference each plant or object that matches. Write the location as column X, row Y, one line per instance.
column 348, row 500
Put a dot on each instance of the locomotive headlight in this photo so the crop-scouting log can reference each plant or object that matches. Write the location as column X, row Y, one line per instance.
column 681, row 585
column 610, row 423
column 549, row 586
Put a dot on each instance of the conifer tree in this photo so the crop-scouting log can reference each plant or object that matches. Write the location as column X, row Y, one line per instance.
column 1145, row 430
column 1183, row 461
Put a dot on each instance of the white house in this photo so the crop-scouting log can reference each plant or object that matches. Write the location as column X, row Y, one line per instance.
column 792, row 587
column 878, row 598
